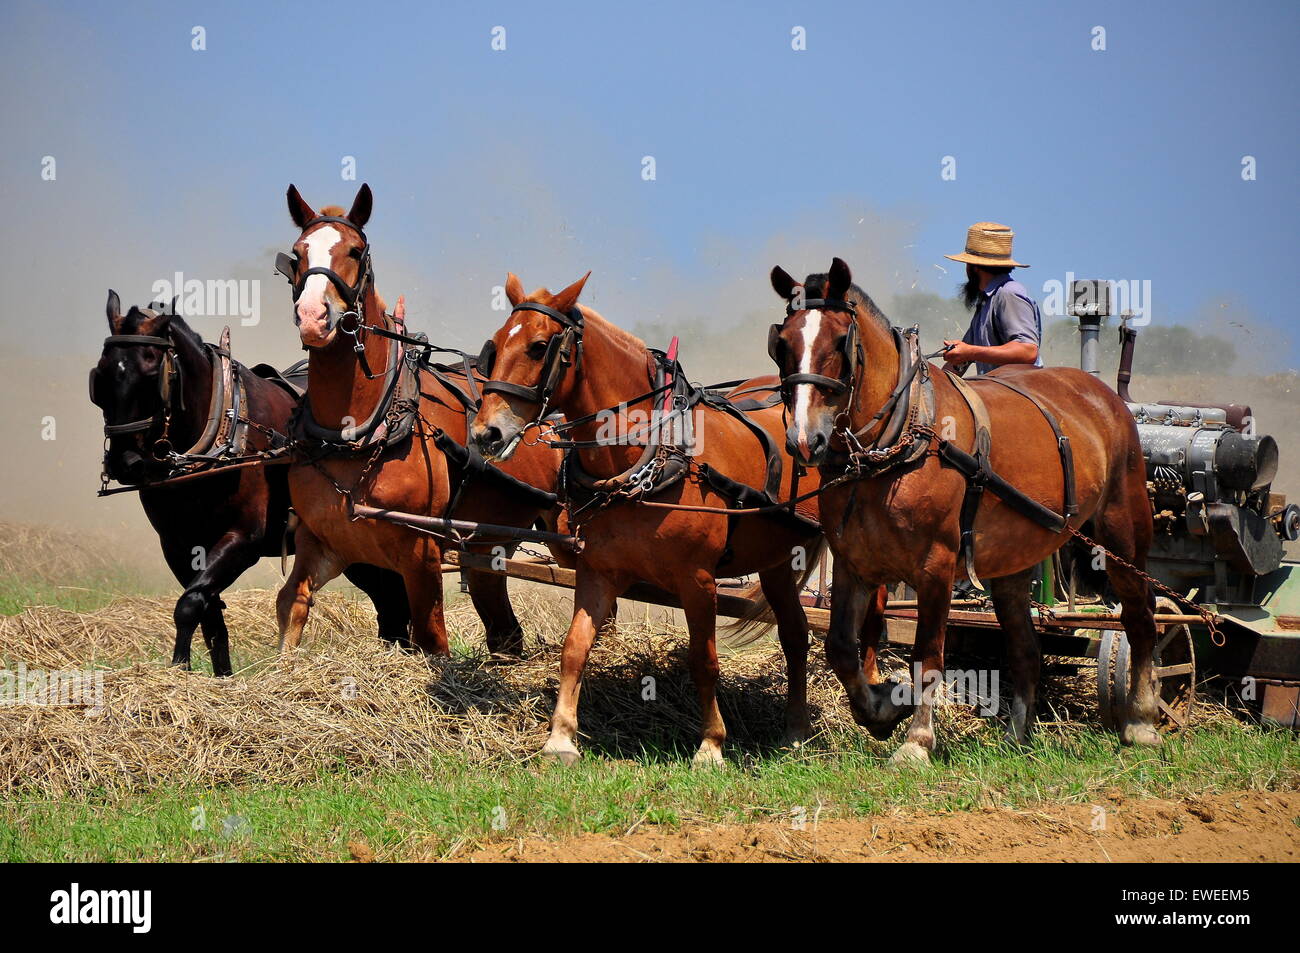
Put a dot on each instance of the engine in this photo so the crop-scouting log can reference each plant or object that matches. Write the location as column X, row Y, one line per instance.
column 1209, row 480
column 1218, row 526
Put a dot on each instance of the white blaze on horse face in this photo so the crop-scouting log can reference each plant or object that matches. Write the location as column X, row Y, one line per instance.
column 320, row 244
column 812, row 323
column 515, row 330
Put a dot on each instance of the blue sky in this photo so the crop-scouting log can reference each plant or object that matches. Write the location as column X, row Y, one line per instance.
column 1120, row 164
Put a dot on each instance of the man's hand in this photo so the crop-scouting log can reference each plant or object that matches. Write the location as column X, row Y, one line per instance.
column 959, row 352
column 399, row 310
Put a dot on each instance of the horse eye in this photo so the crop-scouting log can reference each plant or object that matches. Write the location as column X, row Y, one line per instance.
column 537, row 350
column 355, row 253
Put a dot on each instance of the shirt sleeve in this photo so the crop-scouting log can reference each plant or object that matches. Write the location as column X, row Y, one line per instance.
column 1013, row 318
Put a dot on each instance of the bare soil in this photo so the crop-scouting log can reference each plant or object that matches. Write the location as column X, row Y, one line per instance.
column 1242, row 826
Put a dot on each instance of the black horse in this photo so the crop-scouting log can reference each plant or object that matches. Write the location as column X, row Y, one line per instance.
column 174, row 404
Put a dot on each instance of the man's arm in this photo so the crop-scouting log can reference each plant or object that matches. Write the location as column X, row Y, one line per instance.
column 1013, row 352
column 1013, row 318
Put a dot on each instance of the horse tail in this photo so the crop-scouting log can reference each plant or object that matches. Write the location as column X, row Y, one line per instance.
column 759, row 618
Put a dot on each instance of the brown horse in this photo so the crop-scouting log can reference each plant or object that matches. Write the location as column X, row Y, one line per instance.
column 163, row 390
column 898, row 515
column 360, row 399
column 553, row 353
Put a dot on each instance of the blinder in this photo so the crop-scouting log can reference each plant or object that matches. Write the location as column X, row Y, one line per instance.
column 487, row 357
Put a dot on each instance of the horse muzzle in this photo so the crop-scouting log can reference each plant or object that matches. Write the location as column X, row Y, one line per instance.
column 498, row 438
column 317, row 326
column 807, row 447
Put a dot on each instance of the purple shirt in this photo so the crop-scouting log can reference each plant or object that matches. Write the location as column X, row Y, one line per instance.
column 1006, row 313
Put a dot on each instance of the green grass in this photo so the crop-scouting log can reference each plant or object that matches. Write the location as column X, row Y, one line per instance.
column 84, row 596
column 451, row 807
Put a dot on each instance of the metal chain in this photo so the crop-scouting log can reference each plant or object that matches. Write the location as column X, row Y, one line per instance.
column 1208, row 617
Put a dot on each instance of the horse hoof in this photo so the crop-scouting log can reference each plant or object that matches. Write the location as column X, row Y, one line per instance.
column 708, row 757
column 796, row 736
column 565, row 752
column 1139, row 734
column 910, row 755
column 1016, row 740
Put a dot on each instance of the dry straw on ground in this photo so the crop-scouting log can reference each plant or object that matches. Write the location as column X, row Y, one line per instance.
column 346, row 699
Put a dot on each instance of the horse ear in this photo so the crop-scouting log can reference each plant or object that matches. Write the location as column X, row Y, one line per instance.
column 782, row 283
column 566, row 299
column 361, row 206
column 299, row 211
column 514, row 289
column 114, row 308
column 840, row 278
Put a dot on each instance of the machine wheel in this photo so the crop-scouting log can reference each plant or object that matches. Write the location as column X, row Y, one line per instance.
column 1175, row 674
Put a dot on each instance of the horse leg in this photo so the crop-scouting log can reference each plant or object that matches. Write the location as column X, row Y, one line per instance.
column 594, row 599
column 781, row 588
column 853, row 616
column 1130, row 539
column 1024, row 654
column 491, row 598
column 217, row 637
column 223, row 564
column 700, row 604
column 424, row 593
column 313, row 567
column 387, row 591
column 934, row 600
column 872, row 635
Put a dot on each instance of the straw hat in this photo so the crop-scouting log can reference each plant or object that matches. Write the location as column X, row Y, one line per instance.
column 988, row 243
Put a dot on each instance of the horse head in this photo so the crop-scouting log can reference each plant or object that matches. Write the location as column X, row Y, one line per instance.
column 329, row 268
column 816, row 353
column 133, row 384
column 531, row 362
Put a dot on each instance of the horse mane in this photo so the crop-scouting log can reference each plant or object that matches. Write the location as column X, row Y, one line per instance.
column 815, row 287
column 621, row 336
column 135, row 318
column 337, row 211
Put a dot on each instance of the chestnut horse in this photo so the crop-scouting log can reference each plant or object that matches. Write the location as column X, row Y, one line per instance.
column 155, row 383
column 349, row 380
column 897, row 515
column 554, row 353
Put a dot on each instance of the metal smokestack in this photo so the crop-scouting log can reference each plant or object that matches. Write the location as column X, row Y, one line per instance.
column 1090, row 303
column 1127, row 340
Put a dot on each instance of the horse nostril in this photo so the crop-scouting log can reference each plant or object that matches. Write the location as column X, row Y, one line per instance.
column 817, row 444
column 489, row 438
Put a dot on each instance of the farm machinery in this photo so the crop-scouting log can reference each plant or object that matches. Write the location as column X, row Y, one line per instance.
column 1230, row 600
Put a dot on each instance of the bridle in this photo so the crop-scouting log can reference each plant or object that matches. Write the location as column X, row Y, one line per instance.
column 353, row 295
column 852, row 352
column 563, row 350
column 169, row 383
column 850, row 348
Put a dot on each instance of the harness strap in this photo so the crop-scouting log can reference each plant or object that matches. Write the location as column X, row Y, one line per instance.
column 976, row 470
column 1062, row 443
column 980, row 475
column 473, row 464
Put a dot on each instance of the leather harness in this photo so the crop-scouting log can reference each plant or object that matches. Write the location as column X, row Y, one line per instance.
column 225, row 433
column 907, row 419
column 662, row 463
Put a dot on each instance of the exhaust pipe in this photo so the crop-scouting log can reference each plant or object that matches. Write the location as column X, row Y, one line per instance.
column 1128, row 342
column 1090, row 303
